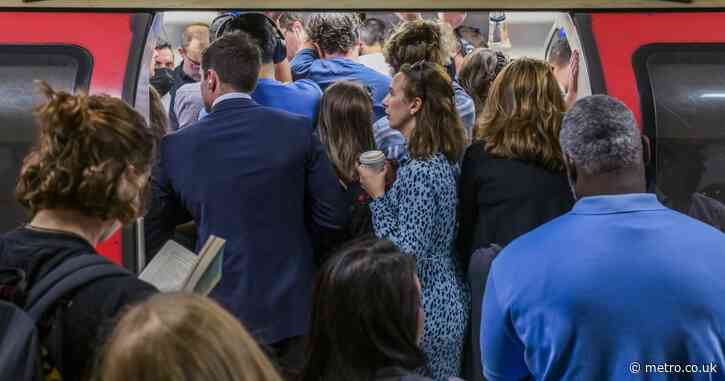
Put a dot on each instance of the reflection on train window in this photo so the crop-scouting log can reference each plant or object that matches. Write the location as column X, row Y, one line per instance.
column 688, row 96
column 64, row 68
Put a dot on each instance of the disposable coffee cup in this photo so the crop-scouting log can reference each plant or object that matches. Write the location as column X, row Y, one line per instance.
column 373, row 159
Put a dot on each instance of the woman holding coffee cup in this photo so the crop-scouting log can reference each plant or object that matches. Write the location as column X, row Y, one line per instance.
column 419, row 211
column 345, row 129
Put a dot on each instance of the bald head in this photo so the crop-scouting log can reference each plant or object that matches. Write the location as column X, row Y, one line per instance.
column 599, row 134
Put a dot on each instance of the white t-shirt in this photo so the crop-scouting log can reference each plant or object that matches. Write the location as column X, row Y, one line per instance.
column 375, row 61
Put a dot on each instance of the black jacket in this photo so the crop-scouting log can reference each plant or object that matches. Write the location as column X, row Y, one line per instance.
column 86, row 318
column 501, row 199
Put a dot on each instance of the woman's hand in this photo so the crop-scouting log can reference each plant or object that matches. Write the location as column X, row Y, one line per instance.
column 372, row 181
column 571, row 94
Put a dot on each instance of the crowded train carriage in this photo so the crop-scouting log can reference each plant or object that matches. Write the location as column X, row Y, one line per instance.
column 462, row 193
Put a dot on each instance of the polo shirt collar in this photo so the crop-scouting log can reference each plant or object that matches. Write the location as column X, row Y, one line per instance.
column 621, row 203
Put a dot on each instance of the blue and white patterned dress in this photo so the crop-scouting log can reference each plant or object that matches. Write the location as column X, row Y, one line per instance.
column 419, row 215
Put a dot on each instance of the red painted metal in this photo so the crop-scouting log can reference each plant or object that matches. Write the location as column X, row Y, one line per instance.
column 107, row 36
column 618, row 36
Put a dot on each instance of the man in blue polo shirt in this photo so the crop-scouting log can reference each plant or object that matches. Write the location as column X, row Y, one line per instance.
column 621, row 287
column 330, row 54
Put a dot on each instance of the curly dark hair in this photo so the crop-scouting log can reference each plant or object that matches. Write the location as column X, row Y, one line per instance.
column 89, row 155
column 333, row 32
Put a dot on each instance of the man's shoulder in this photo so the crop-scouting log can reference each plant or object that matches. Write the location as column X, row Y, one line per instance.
column 553, row 236
column 305, row 86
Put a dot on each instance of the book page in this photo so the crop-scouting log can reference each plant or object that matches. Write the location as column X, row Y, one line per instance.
column 212, row 275
column 211, row 250
column 170, row 268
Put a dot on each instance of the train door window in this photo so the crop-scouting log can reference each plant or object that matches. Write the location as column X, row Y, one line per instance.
column 682, row 90
column 64, row 68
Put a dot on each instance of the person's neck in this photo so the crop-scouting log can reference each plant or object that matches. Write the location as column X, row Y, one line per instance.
column 408, row 128
column 92, row 229
column 622, row 181
column 350, row 54
column 267, row 71
column 371, row 49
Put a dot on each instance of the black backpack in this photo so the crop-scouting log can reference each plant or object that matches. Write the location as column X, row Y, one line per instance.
column 22, row 309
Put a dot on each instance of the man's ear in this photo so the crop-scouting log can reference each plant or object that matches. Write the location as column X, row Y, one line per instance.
column 646, row 150
column 182, row 51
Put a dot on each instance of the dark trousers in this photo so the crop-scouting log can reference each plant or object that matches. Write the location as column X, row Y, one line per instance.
column 288, row 356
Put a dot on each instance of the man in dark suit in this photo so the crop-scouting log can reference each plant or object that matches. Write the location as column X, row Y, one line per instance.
column 252, row 175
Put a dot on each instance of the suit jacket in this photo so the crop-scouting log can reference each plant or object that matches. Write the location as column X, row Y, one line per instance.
column 252, row 175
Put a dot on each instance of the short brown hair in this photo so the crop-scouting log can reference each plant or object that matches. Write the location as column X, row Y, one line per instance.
column 286, row 20
column 419, row 40
column 345, row 126
column 196, row 31
column 523, row 114
column 86, row 146
column 236, row 60
column 438, row 127
column 182, row 337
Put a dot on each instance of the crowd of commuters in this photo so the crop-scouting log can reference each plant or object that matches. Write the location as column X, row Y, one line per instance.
column 338, row 270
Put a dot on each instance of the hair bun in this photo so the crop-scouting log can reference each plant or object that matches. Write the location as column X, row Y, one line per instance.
column 62, row 113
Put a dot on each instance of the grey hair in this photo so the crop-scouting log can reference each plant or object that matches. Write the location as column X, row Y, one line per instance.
column 600, row 135
column 333, row 32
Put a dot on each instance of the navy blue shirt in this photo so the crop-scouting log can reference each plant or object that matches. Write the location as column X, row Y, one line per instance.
column 618, row 280
column 325, row 72
column 298, row 97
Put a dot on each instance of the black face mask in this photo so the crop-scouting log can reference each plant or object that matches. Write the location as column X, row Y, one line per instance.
column 163, row 80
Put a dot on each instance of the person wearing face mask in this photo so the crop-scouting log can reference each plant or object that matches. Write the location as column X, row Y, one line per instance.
column 162, row 71
column 194, row 40
column 617, row 280
column 84, row 181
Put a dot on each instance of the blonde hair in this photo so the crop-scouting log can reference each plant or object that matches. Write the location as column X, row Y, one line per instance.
column 523, row 114
column 182, row 337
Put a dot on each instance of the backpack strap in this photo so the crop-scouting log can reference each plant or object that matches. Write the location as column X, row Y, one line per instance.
column 66, row 277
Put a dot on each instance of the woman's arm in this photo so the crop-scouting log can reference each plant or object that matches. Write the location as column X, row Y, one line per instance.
column 407, row 219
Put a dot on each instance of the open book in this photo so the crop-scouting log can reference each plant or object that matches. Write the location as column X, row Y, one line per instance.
column 175, row 268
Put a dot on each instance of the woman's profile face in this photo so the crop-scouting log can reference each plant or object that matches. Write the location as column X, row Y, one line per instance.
column 397, row 106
